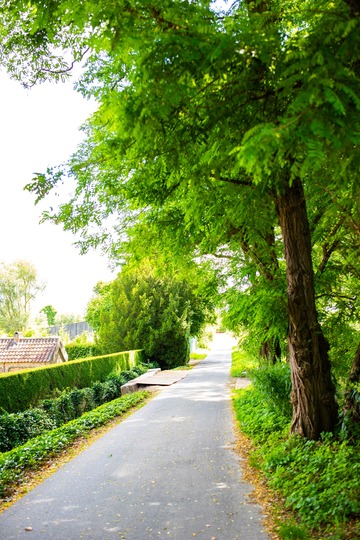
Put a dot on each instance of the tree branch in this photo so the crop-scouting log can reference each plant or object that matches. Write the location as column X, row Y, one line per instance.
column 337, row 295
column 235, row 181
column 329, row 250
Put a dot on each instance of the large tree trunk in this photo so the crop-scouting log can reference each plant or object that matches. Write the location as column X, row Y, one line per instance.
column 313, row 392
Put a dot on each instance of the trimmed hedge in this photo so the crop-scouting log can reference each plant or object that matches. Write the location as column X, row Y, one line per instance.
column 75, row 352
column 14, row 464
column 17, row 428
column 25, row 389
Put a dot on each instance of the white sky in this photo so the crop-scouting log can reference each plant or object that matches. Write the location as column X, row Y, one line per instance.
column 40, row 128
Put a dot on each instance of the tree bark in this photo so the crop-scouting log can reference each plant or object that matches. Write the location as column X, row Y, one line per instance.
column 313, row 392
column 270, row 351
column 352, row 405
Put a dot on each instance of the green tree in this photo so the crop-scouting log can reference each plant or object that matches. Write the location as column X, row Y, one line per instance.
column 203, row 118
column 50, row 313
column 99, row 303
column 67, row 318
column 19, row 285
column 140, row 310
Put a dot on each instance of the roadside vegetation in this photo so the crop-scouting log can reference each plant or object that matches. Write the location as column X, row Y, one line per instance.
column 51, row 413
column 16, row 464
column 315, row 483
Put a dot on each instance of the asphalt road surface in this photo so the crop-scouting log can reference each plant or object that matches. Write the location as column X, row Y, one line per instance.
column 167, row 471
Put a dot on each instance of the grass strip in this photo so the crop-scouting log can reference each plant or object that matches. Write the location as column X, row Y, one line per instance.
column 242, row 363
column 317, row 482
column 15, row 463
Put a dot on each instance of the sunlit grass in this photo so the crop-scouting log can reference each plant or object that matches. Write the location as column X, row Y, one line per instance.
column 242, row 362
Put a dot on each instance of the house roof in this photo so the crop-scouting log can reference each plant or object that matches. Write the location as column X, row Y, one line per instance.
column 40, row 350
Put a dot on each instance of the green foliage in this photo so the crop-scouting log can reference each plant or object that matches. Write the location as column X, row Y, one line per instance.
column 205, row 338
column 19, row 284
column 290, row 531
column 17, row 428
column 15, row 463
column 274, row 383
column 255, row 303
column 256, row 417
column 50, row 313
column 100, row 303
column 198, row 356
column 82, row 351
column 67, row 318
column 142, row 309
column 318, row 480
column 344, row 339
column 242, row 362
column 24, row 389
column 270, row 391
column 204, row 123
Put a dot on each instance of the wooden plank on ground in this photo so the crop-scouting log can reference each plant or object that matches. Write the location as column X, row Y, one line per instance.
column 162, row 378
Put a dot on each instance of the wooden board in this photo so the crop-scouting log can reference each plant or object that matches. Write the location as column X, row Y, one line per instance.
column 162, row 378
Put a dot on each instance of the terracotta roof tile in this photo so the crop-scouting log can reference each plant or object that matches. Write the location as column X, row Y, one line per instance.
column 28, row 349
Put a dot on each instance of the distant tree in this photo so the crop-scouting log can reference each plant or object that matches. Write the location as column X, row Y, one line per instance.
column 19, row 284
column 142, row 310
column 100, row 303
column 50, row 313
column 67, row 318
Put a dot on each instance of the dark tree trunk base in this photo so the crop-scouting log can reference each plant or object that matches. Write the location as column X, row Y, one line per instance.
column 313, row 392
column 271, row 351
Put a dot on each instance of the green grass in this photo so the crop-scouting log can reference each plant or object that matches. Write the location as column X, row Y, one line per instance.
column 242, row 363
column 198, row 356
column 193, row 356
column 182, row 368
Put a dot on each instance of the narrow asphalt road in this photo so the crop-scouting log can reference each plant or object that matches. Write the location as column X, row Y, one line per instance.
column 168, row 471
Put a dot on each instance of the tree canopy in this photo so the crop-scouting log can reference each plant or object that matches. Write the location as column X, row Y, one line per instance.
column 19, row 284
column 151, row 310
column 234, row 130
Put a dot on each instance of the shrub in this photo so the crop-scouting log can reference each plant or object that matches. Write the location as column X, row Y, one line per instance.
column 318, row 480
column 141, row 309
column 274, row 383
column 256, row 415
column 75, row 351
column 242, row 363
column 14, row 464
column 17, row 428
column 24, row 389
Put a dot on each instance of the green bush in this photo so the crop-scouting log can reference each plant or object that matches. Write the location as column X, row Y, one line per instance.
column 274, row 383
column 17, row 428
column 205, row 338
column 242, row 363
column 14, row 464
column 319, row 481
column 256, row 416
column 141, row 309
column 76, row 351
column 25, row 389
